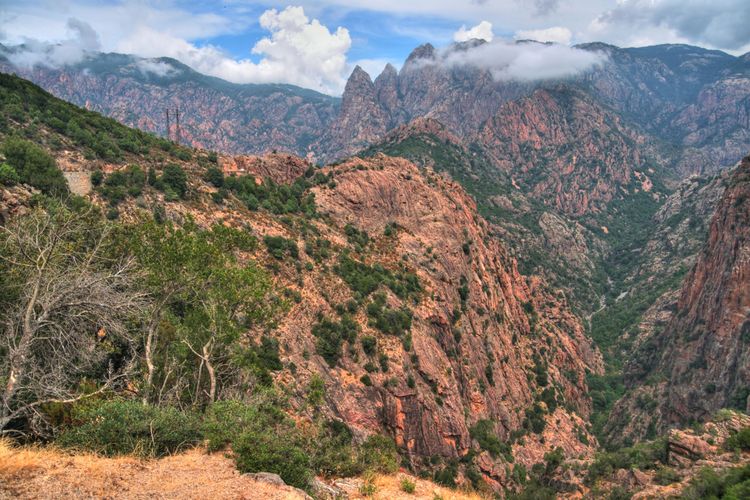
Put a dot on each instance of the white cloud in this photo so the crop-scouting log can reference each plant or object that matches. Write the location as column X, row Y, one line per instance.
column 298, row 51
column 81, row 39
column 158, row 68
column 526, row 61
column 482, row 31
column 717, row 23
column 556, row 34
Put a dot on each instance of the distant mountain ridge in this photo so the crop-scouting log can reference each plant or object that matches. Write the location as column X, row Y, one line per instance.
column 214, row 114
column 687, row 96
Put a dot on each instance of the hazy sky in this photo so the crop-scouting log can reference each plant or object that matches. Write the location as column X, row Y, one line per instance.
column 316, row 43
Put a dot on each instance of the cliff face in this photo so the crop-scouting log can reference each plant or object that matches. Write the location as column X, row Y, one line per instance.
column 472, row 357
column 700, row 362
column 568, row 151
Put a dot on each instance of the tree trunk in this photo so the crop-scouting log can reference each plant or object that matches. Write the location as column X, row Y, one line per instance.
column 149, row 354
column 19, row 355
column 211, row 372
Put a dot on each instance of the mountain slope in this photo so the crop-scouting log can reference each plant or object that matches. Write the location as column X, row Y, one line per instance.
column 405, row 317
column 213, row 113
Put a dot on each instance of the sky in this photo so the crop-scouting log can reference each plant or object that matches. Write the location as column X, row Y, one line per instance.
column 317, row 43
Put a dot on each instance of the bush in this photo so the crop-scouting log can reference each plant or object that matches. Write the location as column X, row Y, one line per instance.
column 331, row 336
column 215, row 176
column 97, row 177
column 666, row 475
column 331, row 451
column 387, row 320
column 279, row 453
column 34, row 166
column 120, row 427
column 364, row 279
column 174, row 178
column 739, row 440
column 369, row 345
column 278, row 246
column 484, row 433
column 379, row 454
column 408, row 486
column 8, row 175
column 224, row 421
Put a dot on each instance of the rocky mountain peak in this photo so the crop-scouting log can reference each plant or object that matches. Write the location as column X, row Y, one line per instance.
column 424, row 51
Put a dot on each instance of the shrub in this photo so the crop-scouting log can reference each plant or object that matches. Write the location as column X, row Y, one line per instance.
column 739, row 440
column 331, row 336
column 331, row 451
column 278, row 247
column 369, row 345
column 387, row 320
column 174, row 178
column 224, row 421
column 119, row 427
column 364, row 279
column 215, row 176
column 8, row 175
column 34, row 166
column 666, row 475
column 484, row 433
column 279, row 453
column 97, row 177
column 408, row 486
column 379, row 454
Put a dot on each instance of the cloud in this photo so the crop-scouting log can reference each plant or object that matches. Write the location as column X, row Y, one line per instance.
column 298, row 50
column 557, row 34
column 482, row 31
column 157, row 68
column 544, row 7
column 525, row 61
column 82, row 39
column 718, row 23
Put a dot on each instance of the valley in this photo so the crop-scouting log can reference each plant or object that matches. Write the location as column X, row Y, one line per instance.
column 444, row 279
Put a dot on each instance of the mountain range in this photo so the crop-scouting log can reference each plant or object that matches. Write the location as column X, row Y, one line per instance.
column 554, row 261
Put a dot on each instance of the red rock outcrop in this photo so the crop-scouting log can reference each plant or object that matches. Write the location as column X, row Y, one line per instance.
column 567, row 150
column 472, row 365
column 281, row 168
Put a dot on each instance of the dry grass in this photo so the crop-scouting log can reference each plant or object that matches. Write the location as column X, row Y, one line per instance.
column 36, row 472
column 389, row 488
column 32, row 472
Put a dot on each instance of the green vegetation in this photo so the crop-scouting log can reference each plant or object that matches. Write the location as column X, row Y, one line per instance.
column 484, row 433
column 8, row 175
column 273, row 197
column 739, row 441
column 331, row 336
column 30, row 164
column 27, row 109
column 387, row 320
column 279, row 247
column 364, row 279
column 408, row 486
column 644, row 456
column 120, row 427
column 733, row 484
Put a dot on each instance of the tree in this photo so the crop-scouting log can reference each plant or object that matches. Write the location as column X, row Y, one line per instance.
column 66, row 304
column 175, row 178
column 34, row 166
column 202, row 299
